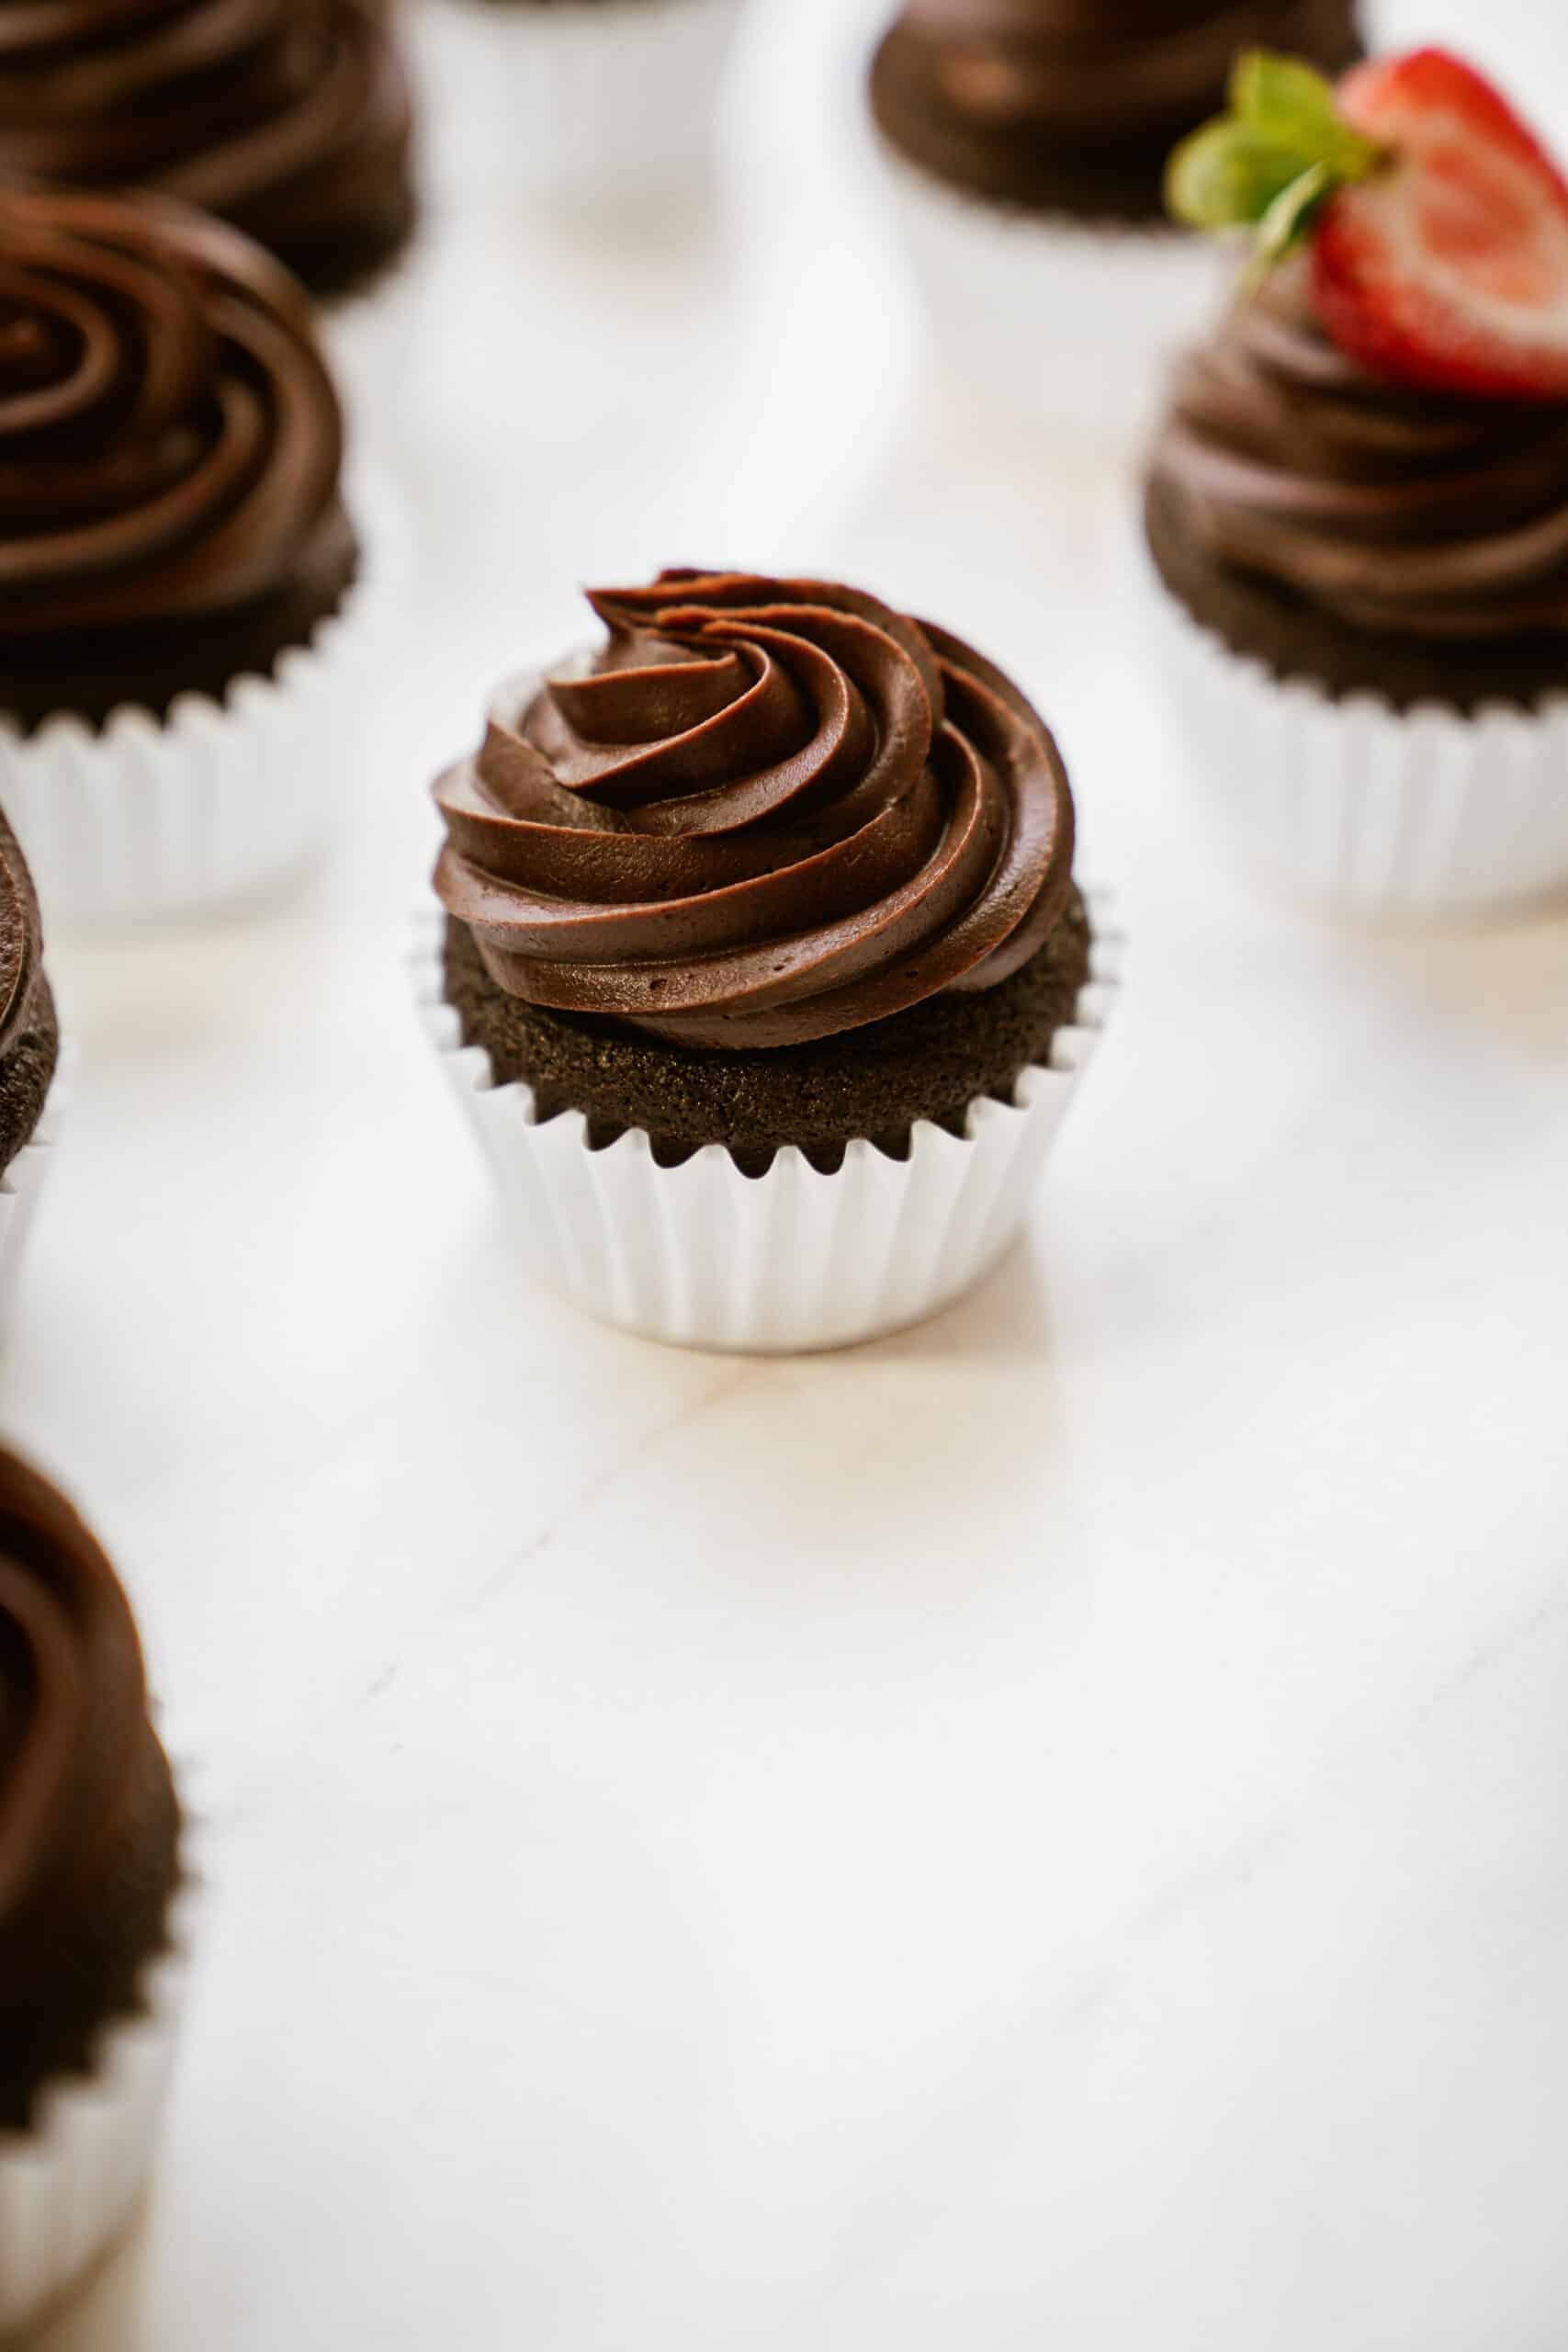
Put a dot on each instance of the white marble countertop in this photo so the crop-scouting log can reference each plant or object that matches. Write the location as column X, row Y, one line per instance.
column 1049, row 1831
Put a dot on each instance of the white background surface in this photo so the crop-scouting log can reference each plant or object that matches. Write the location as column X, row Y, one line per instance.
column 1046, row 1832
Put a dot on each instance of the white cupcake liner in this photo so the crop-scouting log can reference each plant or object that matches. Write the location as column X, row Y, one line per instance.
column 1362, row 807
column 71, row 2184
column 1058, row 322
column 575, row 100
column 700, row 1256
column 146, row 818
column 22, row 1183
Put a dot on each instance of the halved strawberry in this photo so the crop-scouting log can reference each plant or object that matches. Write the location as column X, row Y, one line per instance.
column 1447, row 269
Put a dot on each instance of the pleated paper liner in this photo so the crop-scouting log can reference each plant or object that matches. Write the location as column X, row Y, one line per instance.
column 71, row 2184
column 700, row 1256
column 148, row 818
column 1361, row 807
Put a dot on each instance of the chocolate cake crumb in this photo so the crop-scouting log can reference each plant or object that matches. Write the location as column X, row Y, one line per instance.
column 929, row 1062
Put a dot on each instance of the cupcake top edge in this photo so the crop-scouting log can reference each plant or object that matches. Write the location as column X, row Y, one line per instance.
column 1069, row 103
column 88, row 1818
column 170, row 441
column 765, row 811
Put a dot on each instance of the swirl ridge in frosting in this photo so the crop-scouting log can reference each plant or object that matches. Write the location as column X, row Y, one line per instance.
column 291, row 119
column 1388, row 510
column 89, row 1823
column 171, row 443
column 1074, row 102
column 767, row 812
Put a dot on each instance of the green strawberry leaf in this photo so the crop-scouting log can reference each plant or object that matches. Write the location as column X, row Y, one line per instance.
column 1284, row 95
column 1297, row 105
column 1272, row 161
column 1229, row 174
column 1288, row 219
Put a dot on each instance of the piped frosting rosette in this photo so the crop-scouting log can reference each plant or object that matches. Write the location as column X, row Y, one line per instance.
column 181, row 589
column 92, row 1892
column 776, row 811
column 1388, row 511
column 170, row 441
column 291, row 119
column 769, row 813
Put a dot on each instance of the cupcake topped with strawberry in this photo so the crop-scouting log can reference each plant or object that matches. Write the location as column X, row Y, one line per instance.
column 1358, row 500
column 1362, row 477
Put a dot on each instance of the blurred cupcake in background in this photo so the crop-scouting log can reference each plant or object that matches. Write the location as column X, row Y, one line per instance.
column 292, row 119
column 95, row 1890
column 1028, row 140
column 576, row 103
column 1358, row 502
column 764, row 976
column 186, row 602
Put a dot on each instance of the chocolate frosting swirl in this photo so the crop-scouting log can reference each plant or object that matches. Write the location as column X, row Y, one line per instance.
column 1406, row 512
column 1107, row 68
column 768, row 812
column 88, row 1821
column 290, row 117
column 170, row 440
column 1073, row 106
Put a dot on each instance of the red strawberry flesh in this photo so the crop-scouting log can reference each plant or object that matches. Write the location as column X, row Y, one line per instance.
column 1448, row 270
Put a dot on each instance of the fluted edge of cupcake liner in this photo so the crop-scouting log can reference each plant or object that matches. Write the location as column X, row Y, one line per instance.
column 70, row 2186
column 580, row 98
column 1055, row 318
column 702, row 1256
column 148, row 818
column 1358, row 807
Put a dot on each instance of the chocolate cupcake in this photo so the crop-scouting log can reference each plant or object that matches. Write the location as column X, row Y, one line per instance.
column 92, row 1887
column 1359, row 513
column 289, row 118
column 577, row 101
column 1028, row 140
column 764, row 973
column 182, row 590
